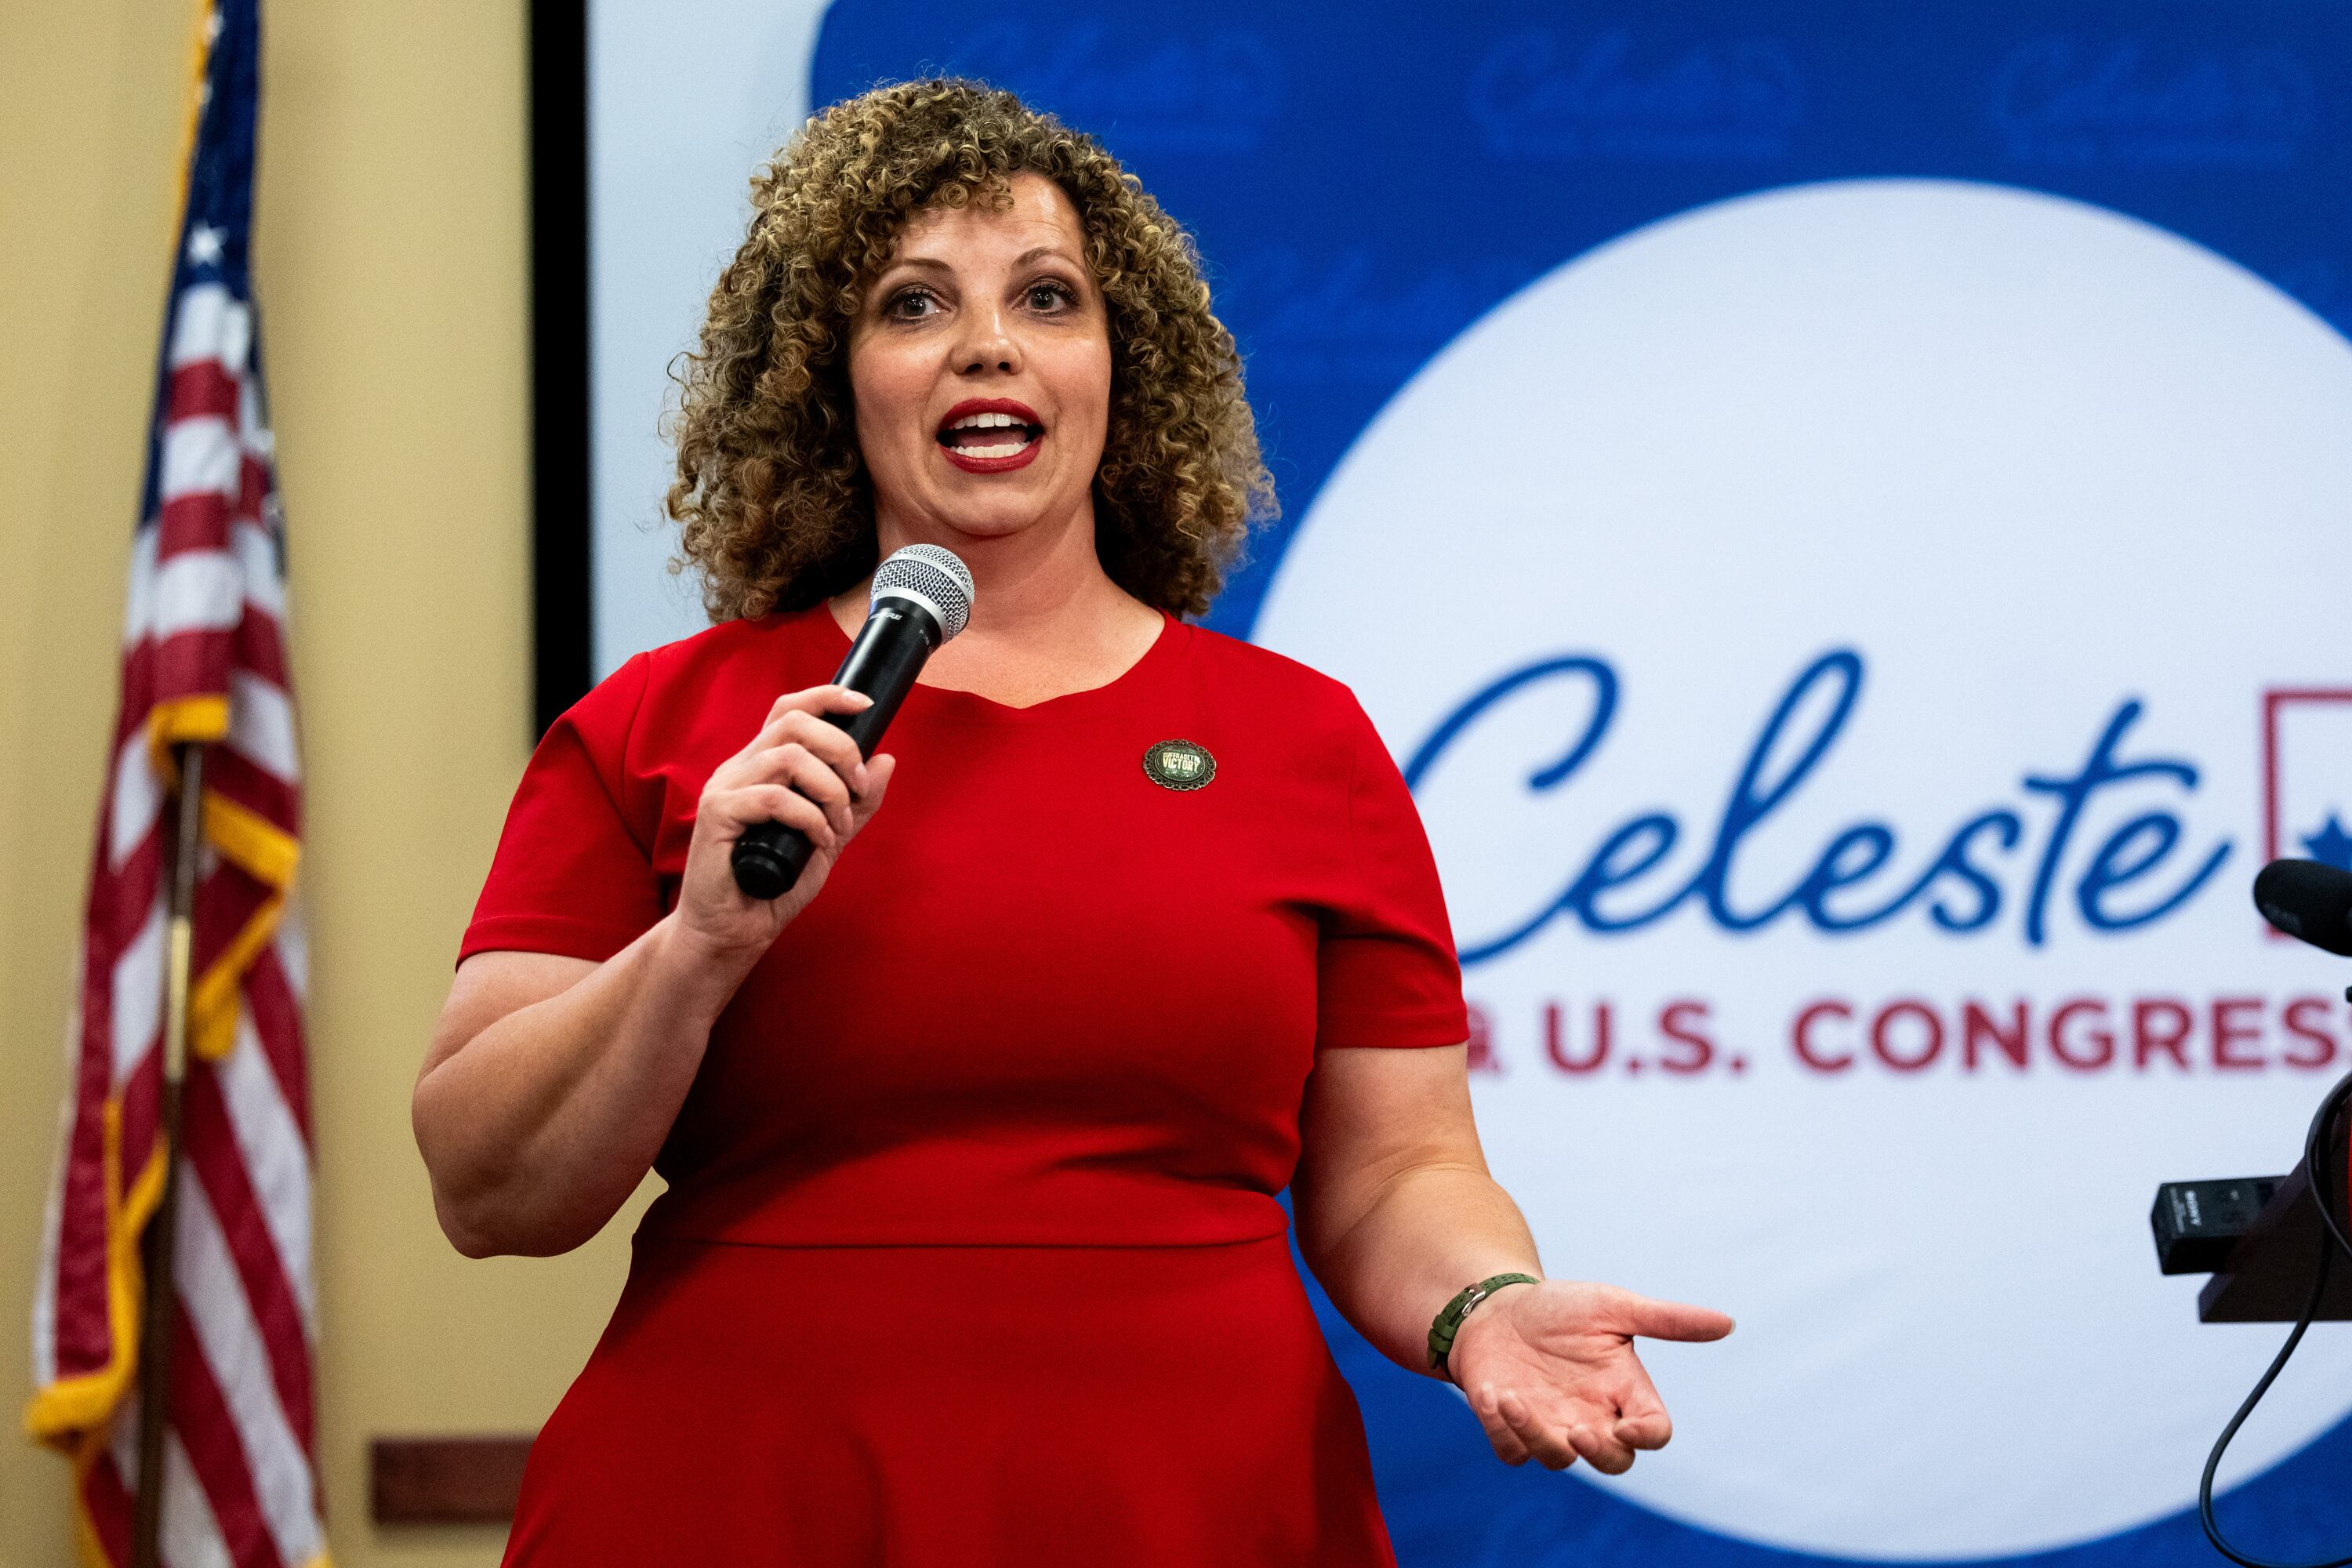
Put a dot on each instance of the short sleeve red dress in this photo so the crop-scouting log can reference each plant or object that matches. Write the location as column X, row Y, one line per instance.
column 970, row 1253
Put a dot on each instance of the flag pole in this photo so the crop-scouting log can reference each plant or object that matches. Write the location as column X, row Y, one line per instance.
column 159, row 1313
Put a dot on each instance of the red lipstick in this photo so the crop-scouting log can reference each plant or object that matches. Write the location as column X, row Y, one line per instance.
column 964, row 434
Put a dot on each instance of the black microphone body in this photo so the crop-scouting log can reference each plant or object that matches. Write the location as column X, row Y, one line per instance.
column 2308, row 899
column 899, row 633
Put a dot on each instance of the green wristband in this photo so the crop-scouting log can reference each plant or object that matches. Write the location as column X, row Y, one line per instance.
column 1449, row 1319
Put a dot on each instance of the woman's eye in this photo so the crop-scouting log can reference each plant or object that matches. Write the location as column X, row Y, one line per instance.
column 912, row 305
column 1049, row 297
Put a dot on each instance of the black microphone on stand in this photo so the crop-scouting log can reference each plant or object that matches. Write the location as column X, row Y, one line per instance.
column 2308, row 899
column 922, row 596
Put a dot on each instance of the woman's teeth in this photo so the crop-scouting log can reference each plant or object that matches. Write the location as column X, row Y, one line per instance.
column 976, row 436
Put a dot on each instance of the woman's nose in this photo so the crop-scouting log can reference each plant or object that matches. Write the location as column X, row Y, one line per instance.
column 988, row 344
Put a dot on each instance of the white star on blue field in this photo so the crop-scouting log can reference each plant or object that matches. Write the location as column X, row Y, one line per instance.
column 2331, row 845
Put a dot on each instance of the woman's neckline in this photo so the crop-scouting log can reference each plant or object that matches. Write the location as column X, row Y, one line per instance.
column 947, row 699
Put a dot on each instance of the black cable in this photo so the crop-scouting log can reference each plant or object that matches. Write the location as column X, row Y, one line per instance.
column 2324, row 1184
column 2317, row 1147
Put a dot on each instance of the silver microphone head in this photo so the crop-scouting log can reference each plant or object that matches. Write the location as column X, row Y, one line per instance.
column 933, row 578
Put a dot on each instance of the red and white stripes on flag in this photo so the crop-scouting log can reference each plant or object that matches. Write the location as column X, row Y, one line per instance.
column 204, row 661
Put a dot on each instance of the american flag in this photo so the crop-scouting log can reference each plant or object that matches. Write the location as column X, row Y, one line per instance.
column 204, row 661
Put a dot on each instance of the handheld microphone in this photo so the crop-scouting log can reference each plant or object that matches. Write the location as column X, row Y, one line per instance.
column 922, row 596
column 2309, row 899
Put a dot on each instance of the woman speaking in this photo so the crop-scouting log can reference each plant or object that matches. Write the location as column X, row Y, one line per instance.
column 971, row 1252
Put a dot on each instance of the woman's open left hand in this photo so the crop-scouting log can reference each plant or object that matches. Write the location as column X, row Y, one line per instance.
column 1551, row 1371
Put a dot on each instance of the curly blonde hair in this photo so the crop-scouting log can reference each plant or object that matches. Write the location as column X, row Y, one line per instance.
column 775, row 504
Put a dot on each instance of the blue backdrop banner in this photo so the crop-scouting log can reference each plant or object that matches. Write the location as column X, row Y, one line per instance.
column 1841, row 510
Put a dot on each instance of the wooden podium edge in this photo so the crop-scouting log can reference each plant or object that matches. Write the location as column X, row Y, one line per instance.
column 2267, row 1279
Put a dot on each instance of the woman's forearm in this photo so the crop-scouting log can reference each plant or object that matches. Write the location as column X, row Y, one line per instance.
column 547, row 1092
column 1428, row 1231
column 542, row 1125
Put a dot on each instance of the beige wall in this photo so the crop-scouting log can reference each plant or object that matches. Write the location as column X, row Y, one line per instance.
column 391, row 281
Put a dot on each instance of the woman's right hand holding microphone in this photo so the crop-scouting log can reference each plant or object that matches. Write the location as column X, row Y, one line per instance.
column 799, row 770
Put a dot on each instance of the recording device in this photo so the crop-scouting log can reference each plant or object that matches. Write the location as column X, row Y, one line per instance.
column 2272, row 1243
column 921, row 598
column 2199, row 1224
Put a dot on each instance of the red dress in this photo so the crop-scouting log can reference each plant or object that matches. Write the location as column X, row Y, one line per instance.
column 971, row 1253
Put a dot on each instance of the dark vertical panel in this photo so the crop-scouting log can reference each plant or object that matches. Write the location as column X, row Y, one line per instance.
column 444, row 1480
column 560, row 608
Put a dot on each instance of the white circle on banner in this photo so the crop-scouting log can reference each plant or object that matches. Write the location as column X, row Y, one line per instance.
column 2013, row 474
